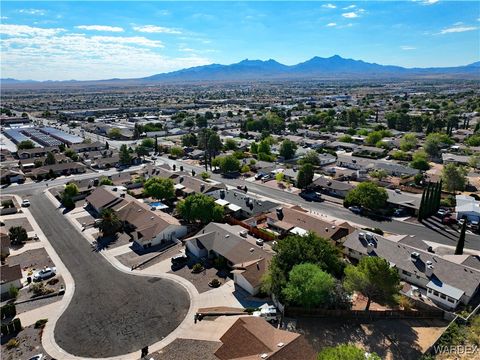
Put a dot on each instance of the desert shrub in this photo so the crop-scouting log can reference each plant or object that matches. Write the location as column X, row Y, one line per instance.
column 12, row 343
column 215, row 283
column 40, row 324
column 52, row 281
column 197, row 268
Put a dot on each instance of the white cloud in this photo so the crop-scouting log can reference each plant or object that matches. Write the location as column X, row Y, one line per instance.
column 38, row 12
column 100, row 28
column 332, row 24
column 407, row 47
column 329, row 6
column 25, row 30
column 429, row 2
column 156, row 29
column 458, row 29
column 3, row 17
column 350, row 15
column 61, row 56
column 350, row 7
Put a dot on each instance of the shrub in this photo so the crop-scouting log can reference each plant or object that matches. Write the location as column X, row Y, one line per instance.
column 40, row 324
column 250, row 310
column 205, row 175
column 13, row 292
column 9, row 310
column 7, row 203
column 40, row 289
column 404, row 302
column 52, row 281
column 12, row 343
column 197, row 268
column 215, row 283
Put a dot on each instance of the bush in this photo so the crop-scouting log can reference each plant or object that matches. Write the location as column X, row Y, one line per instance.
column 13, row 292
column 7, row 203
column 215, row 283
column 448, row 201
column 40, row 289
column 250, row 310
column 52, row 281
column 404, row 302
column 40, row 324
column 205, row 175
column 12, row 343
column 9, row 310
column 197, row 268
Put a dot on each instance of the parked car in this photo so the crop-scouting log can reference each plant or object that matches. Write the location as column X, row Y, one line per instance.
column 400, row 212
column 259, row 242
column 442, row 213
column 356, row 209
column 259, row 175
column 266, row 177
column 37, row 357
column 45, row 273
column 310, row 196
column 179, row 259
column 25, row 203
column 447, row 220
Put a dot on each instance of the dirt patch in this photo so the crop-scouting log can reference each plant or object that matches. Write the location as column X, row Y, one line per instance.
column 389, row 338
column 138, row 256
column 30, row 344
column 31, row 259
column 201, row 280
column 20, row 221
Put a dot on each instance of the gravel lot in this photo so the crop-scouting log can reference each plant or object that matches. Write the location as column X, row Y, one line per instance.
column 30, row 345
column 31, row 259
column 201, row 279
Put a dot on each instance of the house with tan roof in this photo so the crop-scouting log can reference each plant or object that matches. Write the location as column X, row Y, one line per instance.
column 10, row 276
column 247, row 260
column 252, row 338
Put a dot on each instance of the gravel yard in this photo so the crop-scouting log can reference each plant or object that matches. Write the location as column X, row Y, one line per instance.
column 19, row 221
column 31, row 259
column 201, row 280
column 30, row 344
column 187, row 349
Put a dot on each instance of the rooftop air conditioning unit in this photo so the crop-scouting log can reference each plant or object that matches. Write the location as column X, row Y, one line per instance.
column 361, row 235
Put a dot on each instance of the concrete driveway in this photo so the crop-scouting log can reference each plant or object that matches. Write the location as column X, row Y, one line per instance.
column 111, row 313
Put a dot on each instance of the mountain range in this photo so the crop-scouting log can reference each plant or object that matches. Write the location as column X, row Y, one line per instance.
column 317, row 68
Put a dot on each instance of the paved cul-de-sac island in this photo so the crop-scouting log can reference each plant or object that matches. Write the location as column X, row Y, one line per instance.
column 111, row 312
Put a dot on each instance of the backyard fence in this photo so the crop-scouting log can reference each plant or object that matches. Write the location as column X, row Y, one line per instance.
column 364, row 315
column 262, row 234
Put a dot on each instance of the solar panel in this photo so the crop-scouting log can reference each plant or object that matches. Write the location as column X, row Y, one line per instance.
column 62, row 135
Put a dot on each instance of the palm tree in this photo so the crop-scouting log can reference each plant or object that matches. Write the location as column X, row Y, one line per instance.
column 110, row 223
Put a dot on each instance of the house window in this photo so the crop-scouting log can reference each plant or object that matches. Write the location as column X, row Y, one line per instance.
column 451, row 300
column 405, row 273
column 443, row 296
column 435, row 293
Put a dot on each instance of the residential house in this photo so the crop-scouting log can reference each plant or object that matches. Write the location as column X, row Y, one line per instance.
column 295, row 220
column 36, row 152
column 448, row 158
column 232, row 243
column 5, row 243
column 106, row 197
column 405, row 200
column 58, row 169
column 9, row 176
column 240, row 204
column 149, row 228
column 10, row 276
column 251, row 337
column 331, row 187
column 186, row 185
column 445, row 282
column 86, row 147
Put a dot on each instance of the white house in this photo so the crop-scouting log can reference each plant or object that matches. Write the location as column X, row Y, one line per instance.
column 467, row 207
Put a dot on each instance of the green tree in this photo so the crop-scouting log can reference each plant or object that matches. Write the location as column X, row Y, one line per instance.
column 245, row 169
column 69, row 192
column 105, row 181
column 201, row 122
column 305, row 176
column 50, row 159
column 311, row 157
column 420, row 160
column 176, row 151
column 205, row 175
column 18, row 235
column 189, row 140
column 159, row 188
column 454, row 177
column 474, row 161
column 199, row 207
column 345, row 352
column 346, row 139
column 229, row 164
column 254, row 148
column 373, row 138
column 294, row 250
column 114, row 133
column 142, row 151
column 461, row 239
column 408, row 142
column 367, row 195
column 148, row 143
column 214, row 145
column 109, row 222
column 374, row 278
column 308, row 286
column 71, row 154
column 25, row 145
column 231, row 144
column 434, row 142
column 287, row 149
column 279, row 177
column 473, row 140
column 379, row 174
column 125, row 157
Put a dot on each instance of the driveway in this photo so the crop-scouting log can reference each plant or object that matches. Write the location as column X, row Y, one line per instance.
column 111, row 313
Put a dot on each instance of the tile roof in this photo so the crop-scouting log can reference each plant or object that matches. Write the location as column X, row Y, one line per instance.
column 251, row 337
column 247, row 202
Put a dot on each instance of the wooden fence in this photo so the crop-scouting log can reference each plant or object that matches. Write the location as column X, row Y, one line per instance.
column 364, row 315
column 255, row 231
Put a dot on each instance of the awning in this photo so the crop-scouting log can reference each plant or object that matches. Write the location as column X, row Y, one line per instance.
column 179, row 187
column 221, row 202
column 234, row 207
column 299, row 231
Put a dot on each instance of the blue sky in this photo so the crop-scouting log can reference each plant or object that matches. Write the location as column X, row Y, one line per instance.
column 100, row 40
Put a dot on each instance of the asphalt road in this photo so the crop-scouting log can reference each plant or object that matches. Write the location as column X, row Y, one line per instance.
column 430, row 230
column 111, row 313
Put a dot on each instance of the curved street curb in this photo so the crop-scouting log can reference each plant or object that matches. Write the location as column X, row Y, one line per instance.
column 54, row 350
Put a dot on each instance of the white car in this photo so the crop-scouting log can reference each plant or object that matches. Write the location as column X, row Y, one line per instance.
column 25, row 203
column 45, row 273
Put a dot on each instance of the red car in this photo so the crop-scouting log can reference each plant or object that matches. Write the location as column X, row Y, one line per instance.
column 448, row 221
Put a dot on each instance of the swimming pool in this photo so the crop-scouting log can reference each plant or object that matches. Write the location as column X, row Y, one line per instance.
column 158, row 205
